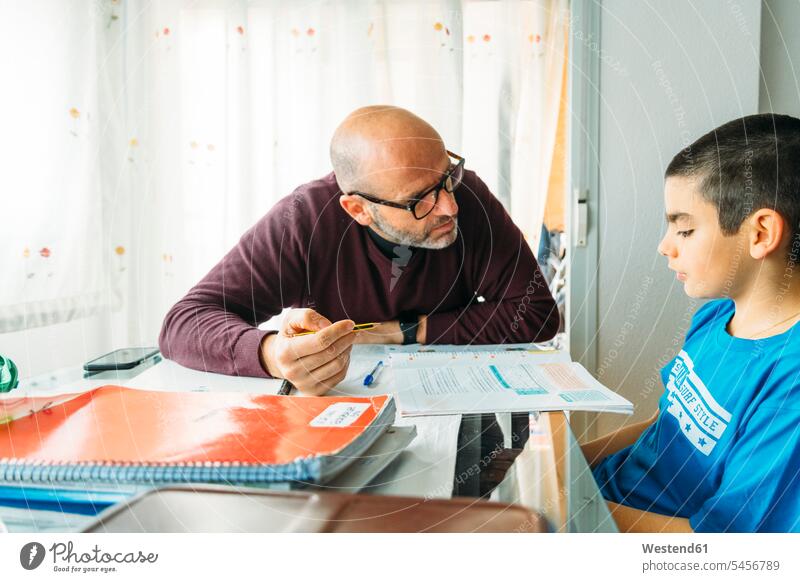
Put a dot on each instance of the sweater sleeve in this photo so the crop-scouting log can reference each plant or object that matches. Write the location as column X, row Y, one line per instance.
column 517, row 305
column 214, row 327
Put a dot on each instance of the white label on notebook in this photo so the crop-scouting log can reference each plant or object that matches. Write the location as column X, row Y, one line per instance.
column 340, row 414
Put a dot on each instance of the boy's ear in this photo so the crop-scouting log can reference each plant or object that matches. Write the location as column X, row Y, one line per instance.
column 766, row 232
column 355, row 207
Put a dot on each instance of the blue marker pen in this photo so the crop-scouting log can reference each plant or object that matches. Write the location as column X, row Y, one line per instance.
column 372, row 375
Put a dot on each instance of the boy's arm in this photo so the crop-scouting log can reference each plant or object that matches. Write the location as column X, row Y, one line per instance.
column 630, row 520
column 596, row 450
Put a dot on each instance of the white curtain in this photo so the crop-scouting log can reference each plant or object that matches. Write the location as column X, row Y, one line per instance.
column 195, row 116
column 53, row 251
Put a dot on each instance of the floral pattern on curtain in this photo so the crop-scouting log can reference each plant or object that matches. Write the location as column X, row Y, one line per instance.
column 144, row 151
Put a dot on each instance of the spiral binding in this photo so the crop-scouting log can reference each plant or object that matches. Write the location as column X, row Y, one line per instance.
column 15, row 470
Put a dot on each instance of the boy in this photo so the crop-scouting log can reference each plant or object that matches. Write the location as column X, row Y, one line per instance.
column 723, row 451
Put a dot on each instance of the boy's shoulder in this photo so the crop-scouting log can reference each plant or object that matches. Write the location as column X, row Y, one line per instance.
column 709, row 313
column 773, row 363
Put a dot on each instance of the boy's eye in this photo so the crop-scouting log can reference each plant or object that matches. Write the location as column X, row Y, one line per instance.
column 685, row 233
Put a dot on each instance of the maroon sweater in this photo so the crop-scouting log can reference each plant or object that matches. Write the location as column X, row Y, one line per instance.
column 307, row 252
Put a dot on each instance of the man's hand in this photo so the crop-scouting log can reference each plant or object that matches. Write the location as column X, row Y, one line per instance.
column 388, row 332
column 314, row 363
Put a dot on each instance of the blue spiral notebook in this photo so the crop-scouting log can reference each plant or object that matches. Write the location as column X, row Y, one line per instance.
column 83, row 499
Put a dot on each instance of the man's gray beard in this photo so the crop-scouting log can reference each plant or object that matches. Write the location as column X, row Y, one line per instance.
column 404, row 238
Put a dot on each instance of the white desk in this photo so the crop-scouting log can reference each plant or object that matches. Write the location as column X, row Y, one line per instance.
column 550, row 475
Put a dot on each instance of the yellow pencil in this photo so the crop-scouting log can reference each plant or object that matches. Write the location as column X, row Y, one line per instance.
column 356, row 328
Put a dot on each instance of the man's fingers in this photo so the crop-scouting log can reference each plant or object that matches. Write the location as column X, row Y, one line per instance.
column 313, row 361
column 328, row 336
column 321, row 387
column 300, row 369
column 298, row 347
column 330, row 369
column 295, row 357
column 300, row 320
column 322, row 340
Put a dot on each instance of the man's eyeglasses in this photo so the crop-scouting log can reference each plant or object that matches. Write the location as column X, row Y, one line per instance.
column 422, row 204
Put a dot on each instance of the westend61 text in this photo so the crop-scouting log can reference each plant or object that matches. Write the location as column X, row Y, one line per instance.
column 675, row 549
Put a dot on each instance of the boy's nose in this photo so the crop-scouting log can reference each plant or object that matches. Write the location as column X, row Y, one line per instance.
column 665, row 248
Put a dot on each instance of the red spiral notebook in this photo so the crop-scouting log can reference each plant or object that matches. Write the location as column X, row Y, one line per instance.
column 125, row 435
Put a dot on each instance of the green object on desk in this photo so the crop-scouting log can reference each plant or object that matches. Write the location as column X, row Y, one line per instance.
column 9, row 376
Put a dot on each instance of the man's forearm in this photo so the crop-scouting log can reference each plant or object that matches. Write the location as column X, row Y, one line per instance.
column 490, row 322
column 206, row 337
column 631, row 520
column 514, row 320
column 388, row 332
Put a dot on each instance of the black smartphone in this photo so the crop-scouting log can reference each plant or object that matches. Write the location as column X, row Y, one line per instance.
column 123, row 359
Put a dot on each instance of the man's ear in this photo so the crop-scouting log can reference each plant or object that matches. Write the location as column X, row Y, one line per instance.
column 355, row 207
column 766, row 232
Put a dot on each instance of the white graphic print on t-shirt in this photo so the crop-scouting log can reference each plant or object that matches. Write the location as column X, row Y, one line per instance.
column 701, row 418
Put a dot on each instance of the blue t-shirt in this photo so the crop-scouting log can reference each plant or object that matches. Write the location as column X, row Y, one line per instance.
column 725, row 450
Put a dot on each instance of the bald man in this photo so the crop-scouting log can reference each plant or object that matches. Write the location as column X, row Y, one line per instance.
column 400, row 233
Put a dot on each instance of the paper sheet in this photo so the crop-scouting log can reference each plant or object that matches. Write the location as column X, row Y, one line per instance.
column 435, row 384
column 172, row 377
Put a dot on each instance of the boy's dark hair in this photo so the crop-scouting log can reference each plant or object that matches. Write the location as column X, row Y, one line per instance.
column 747, row 164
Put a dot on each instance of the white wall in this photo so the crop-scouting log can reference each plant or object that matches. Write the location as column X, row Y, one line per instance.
column 780, row 57
column 670, row 72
